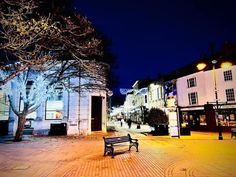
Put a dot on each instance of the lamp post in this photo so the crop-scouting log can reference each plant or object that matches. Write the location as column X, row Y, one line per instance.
column 225, row 65
column 216, row 97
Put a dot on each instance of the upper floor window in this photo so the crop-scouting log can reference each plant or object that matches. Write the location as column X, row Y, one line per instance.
column 192, row 82
column 159, row 93
column 145, row 98
column 230, row 94
column 228, row 75
column 193, row 98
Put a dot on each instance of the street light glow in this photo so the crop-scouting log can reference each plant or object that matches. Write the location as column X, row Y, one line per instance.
column 226, row 65
column 201, row 66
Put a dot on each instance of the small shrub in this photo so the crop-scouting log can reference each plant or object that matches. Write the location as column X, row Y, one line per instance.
column 159, row 120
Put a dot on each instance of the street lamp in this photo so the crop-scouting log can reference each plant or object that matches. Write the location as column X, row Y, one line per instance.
column 225, row 65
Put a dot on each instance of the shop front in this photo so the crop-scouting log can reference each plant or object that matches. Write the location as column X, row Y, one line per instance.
column 204, row 118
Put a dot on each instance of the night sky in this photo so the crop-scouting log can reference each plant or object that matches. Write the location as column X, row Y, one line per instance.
column 159, row 36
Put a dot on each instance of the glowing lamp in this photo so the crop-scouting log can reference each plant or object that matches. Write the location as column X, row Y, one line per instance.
column 201, row 66
column 226, row 65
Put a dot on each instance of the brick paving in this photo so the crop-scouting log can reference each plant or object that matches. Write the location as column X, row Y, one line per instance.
column 198, row 155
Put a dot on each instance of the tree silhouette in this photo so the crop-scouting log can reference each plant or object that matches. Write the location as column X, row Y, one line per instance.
column 34, row 38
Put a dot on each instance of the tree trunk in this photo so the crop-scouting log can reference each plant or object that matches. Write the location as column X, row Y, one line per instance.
column 20, row 127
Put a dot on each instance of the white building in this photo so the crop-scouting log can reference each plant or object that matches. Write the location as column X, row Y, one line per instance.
column 135, row 101
column 197, row 100
column 155, row 96
column 78, row 113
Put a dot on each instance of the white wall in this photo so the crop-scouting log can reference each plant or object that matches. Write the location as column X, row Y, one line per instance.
column 76, row 113
column 205, row 87
column 153, row 100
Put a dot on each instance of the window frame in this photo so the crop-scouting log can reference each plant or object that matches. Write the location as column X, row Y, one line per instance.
column 55, row 98
column 228, row 76
column 191, row 82
column 191, row 98
column 5, row 105
column 230, row 95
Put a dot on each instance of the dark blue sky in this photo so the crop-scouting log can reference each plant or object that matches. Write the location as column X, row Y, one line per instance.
column 159, row 36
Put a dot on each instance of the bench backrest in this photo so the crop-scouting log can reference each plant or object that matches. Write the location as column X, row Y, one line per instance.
column 121, row 139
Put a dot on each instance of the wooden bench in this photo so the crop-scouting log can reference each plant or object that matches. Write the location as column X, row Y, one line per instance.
column 110, row 142
column 233, row 132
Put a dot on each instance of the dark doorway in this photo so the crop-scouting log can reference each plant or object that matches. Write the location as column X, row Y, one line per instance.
column 3, row 127
column 96, row 115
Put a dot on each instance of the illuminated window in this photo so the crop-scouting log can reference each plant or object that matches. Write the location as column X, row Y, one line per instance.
column 230, row 94
column 192, row 82
column 159, row 93
column 54, row 105
column 193, row 98
column 228, row 75
column 4, row 106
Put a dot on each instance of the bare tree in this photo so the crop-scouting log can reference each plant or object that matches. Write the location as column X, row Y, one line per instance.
column 30, row 39
column 66, row 46
column 31, row 95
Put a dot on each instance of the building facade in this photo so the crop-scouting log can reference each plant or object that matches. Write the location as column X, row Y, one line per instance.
column 136, row 101
column 155, row 96
column 79, row 112
column 197, row 99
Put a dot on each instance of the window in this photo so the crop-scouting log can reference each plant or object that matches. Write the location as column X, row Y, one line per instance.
column 191, row 82
column 4, row 106
column 230, row 94
column 150, row 96
column 193, row 99
column 228, row 75
column 159, row 93
column 145, row 97
column 54, row 105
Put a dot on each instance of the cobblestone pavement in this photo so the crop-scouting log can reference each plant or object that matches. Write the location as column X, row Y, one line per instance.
column 198, row 155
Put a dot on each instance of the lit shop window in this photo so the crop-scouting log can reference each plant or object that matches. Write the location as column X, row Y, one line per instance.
column 228, row 75
column 54, row 106
column 203, row 120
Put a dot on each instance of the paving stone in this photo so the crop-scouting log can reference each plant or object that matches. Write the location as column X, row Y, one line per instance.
column 200, row 155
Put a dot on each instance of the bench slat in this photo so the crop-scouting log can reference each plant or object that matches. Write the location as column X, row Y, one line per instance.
column 114, row 140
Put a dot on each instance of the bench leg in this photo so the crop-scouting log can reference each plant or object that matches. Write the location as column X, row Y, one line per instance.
column 112, row 152
column 104, row 152
column 108, row 149
column 134, row 144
